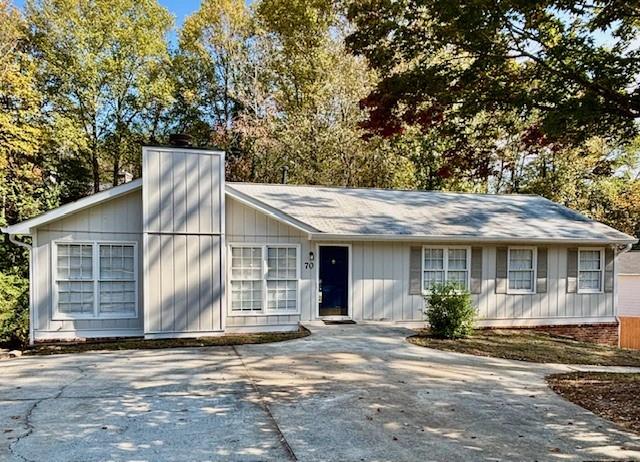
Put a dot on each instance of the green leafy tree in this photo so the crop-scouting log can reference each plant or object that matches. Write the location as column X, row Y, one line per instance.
column 314, row 130
column 218, row 69
column 24, row 188
column 575, row 64
column 103, row 66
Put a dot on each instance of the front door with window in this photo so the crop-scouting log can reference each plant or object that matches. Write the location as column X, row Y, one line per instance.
column 333, row 280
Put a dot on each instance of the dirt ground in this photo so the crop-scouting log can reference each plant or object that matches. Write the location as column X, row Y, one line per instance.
column 533, row 346
column 615, row 397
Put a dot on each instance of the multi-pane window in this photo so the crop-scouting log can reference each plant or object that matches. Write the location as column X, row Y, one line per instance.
column 117, row 285
column 521, row 270
column 95, row 280
column 457, row 270
column 246, row 279
column 74, row 279
column 264, row 278
column 445, row 264
column 282, row 278
column 590, row 270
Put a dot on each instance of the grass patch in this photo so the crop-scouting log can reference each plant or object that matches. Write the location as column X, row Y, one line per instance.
column 142, row 344
column 615, row 397
column 533, row 346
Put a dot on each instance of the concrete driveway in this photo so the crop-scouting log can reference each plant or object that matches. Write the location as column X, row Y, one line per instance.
column 346, row 393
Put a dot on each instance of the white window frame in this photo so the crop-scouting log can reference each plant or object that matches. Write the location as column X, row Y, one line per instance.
column 445, row 256
column 602, row 262
column 265, row 311
column 95, row 255
column 534, row 264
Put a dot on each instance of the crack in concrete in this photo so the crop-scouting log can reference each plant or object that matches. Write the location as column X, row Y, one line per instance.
column 283, row 440
column 32, row 408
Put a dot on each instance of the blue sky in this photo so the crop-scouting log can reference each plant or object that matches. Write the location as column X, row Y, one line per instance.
column 179, row 8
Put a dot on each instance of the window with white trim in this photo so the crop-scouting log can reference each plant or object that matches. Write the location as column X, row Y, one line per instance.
column 590, row 270
column 521, row 270
column 117, row 284
column 264, row 279
column 74, row 279
column 445, row 264
column 246, row 279
column 282, row 279
column 95, row 280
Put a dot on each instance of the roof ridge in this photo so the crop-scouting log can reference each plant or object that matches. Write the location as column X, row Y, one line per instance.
column 366, row 188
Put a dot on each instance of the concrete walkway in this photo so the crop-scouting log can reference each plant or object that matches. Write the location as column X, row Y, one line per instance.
column 346, row 393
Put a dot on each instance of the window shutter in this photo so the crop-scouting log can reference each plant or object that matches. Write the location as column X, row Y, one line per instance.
column 541, row 271
column 572, row 270
column 609, row 257
column 502, row 254
column 415, row 271
column 476, row 270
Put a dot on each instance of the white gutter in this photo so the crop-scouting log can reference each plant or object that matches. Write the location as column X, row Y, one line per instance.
column 12, row 238
column 466, row 239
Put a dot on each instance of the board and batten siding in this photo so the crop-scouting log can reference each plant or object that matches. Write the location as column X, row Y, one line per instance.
column 183, row 226
column 116, row 220
column 248, row 225
column 380, row 281
column 380, row 278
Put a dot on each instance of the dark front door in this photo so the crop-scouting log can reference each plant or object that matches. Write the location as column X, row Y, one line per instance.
column 334, row 280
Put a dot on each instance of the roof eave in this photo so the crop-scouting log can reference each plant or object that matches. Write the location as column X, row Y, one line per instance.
column 468, row 239
column 26, row 227
column 270, row 211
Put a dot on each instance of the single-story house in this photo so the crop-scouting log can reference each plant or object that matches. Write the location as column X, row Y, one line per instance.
column 629, row 299
column 180, row 253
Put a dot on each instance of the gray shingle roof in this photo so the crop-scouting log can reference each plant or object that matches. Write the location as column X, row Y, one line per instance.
column 629, row 263
column 456, row 216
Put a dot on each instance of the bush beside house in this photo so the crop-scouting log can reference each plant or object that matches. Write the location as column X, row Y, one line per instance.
column 14, row 311
column 449, row 311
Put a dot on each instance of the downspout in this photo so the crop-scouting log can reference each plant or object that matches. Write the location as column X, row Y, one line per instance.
column 12, row 238
column 619, row 251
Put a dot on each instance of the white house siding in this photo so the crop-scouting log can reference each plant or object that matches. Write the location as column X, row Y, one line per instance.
column 555, row 306
column 116, row 220
column 629, row 295
column 183, row 226
column 247, row 225
column 380, row 276
column 380, row 279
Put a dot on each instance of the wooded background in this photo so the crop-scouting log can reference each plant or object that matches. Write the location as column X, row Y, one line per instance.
column 533, row 97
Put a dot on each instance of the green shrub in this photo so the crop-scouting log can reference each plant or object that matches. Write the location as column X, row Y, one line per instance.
column 449, row 311
column 14, row 311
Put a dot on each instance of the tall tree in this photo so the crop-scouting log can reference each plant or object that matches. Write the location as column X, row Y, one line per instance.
column 23, row 176
column 218, row 78
column 103, row 66
column 316, row 87
column 574, row 63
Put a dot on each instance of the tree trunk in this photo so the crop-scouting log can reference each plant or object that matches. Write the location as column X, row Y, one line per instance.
column 95, row 168
column 116, row 169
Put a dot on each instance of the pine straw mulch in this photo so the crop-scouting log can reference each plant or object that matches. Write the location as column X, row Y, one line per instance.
column 142, row 344
column 613, row 396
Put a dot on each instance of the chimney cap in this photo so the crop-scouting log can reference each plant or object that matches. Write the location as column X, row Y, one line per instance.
column 180, row 140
